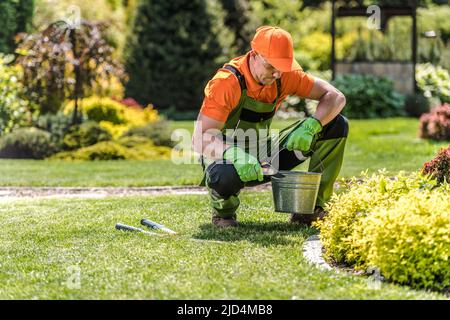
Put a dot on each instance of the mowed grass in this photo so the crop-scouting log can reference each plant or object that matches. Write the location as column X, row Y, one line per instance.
column 69, row 249
column 372, row 145
column 114, row 173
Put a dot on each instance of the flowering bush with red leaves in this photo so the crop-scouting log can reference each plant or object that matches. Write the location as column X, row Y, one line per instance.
column 130, row 102
column 435, row 125
column 439, row 167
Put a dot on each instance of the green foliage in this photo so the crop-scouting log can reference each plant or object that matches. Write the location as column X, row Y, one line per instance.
column 113, row 115
column 439, row 167
column 435, row 125
column 408, row 241
column 23, row 143
column 416, row 104
column 84, row 135
column 14, row 109
column 315, row 51
column 399, row 226
column 159, row 132
column 15, row 17
column 106, row 150
column 433, row 51
column 369, row 96
column 175, row 48
column 433, row 82
column 434, row 18
column 311, row 51
column 355, row 203
column 57, row 124
column 130, row 148
column 100, row 109
column 241, row 20
column 283, row 13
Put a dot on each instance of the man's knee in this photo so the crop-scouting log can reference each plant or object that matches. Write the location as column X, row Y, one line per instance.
column 223, row 178
column 337, row 128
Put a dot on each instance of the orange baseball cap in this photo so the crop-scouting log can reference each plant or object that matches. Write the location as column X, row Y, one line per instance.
column 275, row 45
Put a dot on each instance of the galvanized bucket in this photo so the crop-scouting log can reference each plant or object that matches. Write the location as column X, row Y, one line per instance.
column 295, row 191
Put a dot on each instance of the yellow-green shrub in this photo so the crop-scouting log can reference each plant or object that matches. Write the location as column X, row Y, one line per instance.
column 114, row 116
column 130, row 148
column 84, row 135
column 400, row 226
column 347, row 208
column 135, row 117
column 98, row 109
column 115, row 130
column 409, row 242
column 106, row 150
column 314, row 50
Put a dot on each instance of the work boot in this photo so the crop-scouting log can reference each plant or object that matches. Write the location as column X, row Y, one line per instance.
column 224, row 222
column 307, row 219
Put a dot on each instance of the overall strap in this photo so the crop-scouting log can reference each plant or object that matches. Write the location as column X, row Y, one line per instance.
column 238, row 75
column 249, row 115
column 242, row 83
column 278, row 89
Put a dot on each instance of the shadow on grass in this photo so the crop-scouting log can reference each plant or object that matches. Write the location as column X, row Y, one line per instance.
column 261, row 233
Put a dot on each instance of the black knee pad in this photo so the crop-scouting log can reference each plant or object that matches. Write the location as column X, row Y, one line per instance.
column 224, row 179
column 337, row 128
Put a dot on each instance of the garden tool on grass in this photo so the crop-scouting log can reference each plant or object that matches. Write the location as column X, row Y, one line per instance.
column 154, row 225
column 124, row 227
column 151, row 224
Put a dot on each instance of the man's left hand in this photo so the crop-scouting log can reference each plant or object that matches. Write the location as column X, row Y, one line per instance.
column 302, row 137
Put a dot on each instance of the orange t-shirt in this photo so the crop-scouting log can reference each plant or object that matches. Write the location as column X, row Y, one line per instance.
column 222, row 93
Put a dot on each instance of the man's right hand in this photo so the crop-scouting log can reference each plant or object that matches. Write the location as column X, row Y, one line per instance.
column 247, row 166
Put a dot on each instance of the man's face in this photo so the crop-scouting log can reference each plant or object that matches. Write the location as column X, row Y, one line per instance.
column 265, row 73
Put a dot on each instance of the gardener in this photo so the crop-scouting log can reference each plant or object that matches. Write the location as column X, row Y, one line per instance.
column 239, row 104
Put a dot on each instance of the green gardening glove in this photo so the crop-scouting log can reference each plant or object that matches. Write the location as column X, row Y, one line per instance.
column 247, row 166
column 301, row 138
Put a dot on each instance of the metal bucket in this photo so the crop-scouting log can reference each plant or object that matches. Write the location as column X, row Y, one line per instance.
column 295, row 191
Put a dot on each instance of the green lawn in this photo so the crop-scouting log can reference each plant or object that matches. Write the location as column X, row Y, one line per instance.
column 372, row 145
column 69, row 249
column 97, row 173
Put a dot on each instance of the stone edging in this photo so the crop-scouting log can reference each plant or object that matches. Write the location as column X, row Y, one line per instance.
column 312, row 251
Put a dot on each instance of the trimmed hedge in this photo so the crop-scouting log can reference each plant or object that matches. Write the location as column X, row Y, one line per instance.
column 399, row 226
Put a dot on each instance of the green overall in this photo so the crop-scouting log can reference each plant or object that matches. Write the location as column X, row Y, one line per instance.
column 253, row 114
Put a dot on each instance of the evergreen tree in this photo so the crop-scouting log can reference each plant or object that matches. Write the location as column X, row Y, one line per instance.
column 240, row 20
column 173, row 51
